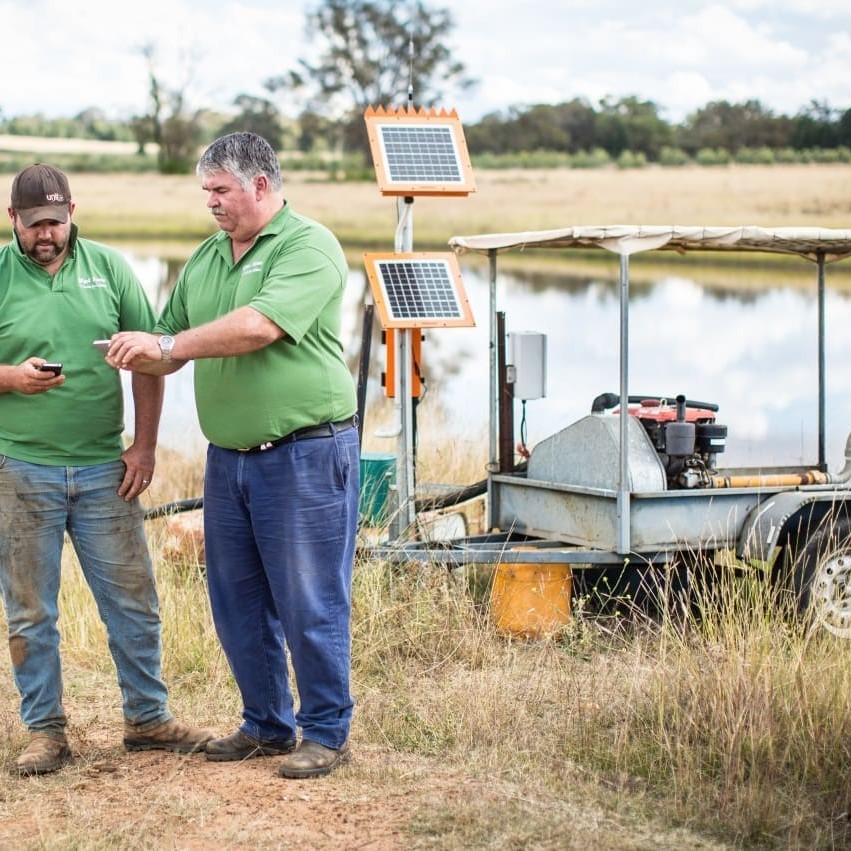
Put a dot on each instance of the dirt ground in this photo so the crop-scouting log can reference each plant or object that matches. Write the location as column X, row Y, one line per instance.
column 107, row 798
column 162, row 800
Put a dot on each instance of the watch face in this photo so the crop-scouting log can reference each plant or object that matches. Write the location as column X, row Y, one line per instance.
column 166, row 344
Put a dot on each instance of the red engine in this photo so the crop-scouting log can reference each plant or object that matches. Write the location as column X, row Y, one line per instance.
column 685, row 435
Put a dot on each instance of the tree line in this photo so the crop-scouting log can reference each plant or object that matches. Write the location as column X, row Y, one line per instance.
column 630, row 124
column 615, row 126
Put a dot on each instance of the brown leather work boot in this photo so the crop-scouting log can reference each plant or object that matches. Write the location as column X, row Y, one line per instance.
column 171, row 735
column 239, row 746
column 44, row 753
column 310, row 759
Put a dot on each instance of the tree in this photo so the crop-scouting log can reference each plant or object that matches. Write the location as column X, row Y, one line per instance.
column 569, row 127
column 843, row 129
column 630, row 124
column 257, row 115
column 815, row 126
column 493, row 134
column 721, row 124
column 168, row 123
column 578, row 119
column 315, row 132
column 365, row 60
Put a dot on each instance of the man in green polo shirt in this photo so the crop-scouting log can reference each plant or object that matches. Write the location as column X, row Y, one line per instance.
column 257, row 307
column 64, row 469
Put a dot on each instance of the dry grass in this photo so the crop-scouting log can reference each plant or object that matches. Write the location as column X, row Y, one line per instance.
column 726, row 730
column 162, row 207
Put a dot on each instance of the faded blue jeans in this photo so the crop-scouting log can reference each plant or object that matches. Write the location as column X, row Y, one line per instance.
column 279, row 534
column 38, row 505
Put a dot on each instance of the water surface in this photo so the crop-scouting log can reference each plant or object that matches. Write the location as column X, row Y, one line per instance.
column 751, row 351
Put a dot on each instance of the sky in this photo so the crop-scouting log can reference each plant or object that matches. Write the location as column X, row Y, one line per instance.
column 59, row 58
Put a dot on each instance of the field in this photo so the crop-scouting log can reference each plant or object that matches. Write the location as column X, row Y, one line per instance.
column 722, row 727
column 153, row 207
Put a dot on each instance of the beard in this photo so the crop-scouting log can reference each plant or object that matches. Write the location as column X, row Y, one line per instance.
column 42, row 251
column 45, row 252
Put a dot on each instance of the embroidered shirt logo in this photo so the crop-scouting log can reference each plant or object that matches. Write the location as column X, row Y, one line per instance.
column 92, row 283
column 255, row 266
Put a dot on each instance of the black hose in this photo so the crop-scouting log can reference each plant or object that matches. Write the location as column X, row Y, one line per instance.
column 175, row 508
column 434, row 503
column 447, row 500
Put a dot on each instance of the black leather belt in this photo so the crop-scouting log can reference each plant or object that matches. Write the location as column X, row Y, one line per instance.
column 307, row 433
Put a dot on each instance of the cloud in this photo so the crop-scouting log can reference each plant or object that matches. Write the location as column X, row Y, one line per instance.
column 62, row 58
column 214, row 50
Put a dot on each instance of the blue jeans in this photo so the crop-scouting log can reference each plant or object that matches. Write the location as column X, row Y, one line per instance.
column 38, row 504
column 279, row 532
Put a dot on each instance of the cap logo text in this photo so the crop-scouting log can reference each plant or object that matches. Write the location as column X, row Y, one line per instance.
column 56, row 196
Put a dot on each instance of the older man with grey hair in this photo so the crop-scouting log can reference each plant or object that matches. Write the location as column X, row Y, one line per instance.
column 257, row 308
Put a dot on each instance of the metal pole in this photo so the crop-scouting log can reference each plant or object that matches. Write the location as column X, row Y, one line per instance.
column 404, row 517
column 822, row 462
column 405, row 466
column 505, row 405
column 363, row 368
column 493, row 418
column 623, row 528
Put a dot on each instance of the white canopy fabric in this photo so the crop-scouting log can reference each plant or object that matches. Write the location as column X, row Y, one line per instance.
column 631, row 239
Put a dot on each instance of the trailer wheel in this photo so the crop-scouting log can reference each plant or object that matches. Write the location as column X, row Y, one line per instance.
column 821, row 577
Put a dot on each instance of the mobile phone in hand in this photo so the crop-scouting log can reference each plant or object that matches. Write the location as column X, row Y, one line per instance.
column 102, row 345
column 55, row 368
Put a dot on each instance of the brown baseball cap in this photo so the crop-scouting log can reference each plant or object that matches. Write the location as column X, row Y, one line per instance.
column 41, row 192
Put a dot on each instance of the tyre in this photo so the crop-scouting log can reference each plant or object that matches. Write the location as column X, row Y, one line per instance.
column 820, row 578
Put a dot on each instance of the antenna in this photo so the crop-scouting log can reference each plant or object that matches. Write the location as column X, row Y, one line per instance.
column 411, row 67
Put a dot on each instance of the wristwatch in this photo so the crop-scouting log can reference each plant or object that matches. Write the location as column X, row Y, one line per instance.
column 166, row 344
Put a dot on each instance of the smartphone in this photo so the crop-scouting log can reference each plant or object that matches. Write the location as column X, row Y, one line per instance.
column 102, row 345
column 55, row 368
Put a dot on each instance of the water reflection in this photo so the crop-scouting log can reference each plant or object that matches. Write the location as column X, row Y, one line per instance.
column 751, row 351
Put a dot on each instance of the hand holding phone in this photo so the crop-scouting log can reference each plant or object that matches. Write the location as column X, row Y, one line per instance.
column 55, row 368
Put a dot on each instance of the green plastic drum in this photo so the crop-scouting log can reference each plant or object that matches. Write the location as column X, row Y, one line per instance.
column 377, row 474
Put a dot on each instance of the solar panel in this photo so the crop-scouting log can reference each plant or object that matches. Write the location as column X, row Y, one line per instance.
column 418, row 290
column 419, row 153
column 425, row 154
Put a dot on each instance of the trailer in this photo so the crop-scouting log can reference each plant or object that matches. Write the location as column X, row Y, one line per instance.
column 637, row 485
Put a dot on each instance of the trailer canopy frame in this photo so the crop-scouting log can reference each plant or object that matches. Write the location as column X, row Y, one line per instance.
column 819, row 245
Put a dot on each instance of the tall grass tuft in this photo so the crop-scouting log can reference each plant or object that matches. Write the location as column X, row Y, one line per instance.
column 737, row 716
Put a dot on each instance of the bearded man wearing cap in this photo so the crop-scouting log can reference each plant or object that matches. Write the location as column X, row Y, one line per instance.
column 64, row 469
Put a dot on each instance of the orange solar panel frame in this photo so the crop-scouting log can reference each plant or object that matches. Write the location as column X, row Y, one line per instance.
column 428, row 179
column 445, row 306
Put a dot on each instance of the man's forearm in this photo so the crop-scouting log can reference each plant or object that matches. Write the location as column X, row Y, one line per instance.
column 148, row 404
column 237, row 333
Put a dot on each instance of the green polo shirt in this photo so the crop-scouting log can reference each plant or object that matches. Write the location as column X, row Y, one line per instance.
column 93, row 294
column 294, row 274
